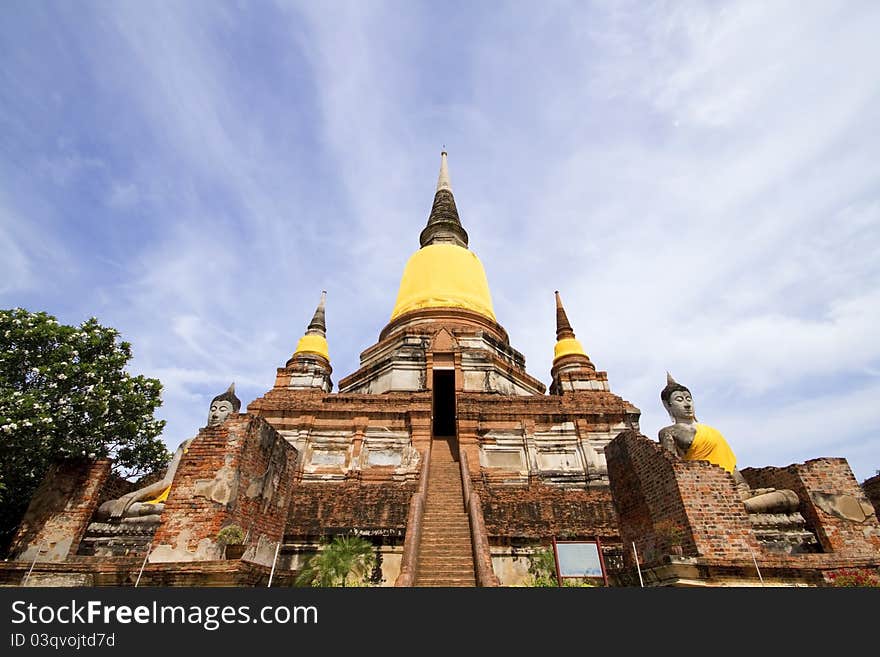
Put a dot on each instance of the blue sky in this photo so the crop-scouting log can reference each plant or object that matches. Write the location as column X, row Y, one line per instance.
column 701, row 181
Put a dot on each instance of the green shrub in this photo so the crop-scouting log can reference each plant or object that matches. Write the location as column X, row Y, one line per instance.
column 231, row 535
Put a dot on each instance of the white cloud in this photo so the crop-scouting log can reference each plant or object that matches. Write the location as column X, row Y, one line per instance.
column 123, row 196
column 15, row 269
column 699, row 181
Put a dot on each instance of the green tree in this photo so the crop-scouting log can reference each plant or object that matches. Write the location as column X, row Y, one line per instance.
column 342, row 558
column 542, row 568
column 64, row 393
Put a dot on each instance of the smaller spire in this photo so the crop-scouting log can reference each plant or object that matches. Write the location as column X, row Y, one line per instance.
column 318, row 325
column 444, row 225
column 443, row 178
column 563, row 327
column 669, row 380
column 314, row 341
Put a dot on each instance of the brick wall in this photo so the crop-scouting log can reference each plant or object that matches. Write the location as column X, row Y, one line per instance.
column 541, row 511
column 872, row 491
column 60, row 510
column 320, row 508
column 824, row 475
column 652, row 488
column 240, row 472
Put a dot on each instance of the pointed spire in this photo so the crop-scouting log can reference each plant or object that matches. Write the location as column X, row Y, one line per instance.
column 443, row 178
column 314, row 341
column 669, row 380
column 444, row 226
column 563, row 327
column 318, row 324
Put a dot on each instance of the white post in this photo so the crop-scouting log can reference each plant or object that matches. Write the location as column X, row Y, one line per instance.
column 755, row 561
column 33, row 563
column 146, row 556
column 636, row 554
column 274, row 561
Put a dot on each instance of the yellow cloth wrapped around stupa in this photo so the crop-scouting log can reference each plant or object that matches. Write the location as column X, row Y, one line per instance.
column 709, row 445
column 444, row 276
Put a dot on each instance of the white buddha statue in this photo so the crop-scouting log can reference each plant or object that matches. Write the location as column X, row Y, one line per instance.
column 693, row 441
column 146, row 504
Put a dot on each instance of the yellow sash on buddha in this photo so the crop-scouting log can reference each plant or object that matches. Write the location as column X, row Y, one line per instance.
column 709, row 445
column 161, row 497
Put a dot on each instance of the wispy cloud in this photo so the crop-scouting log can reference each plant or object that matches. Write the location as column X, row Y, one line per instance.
column 698, row 180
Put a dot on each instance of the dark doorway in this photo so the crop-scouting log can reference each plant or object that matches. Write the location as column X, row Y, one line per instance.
column 444, row 403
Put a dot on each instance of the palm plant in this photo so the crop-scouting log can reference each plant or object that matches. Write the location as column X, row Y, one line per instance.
column 343, row 558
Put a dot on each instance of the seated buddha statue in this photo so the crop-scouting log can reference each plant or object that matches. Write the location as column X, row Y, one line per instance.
column 146, row 504
column 693, row 441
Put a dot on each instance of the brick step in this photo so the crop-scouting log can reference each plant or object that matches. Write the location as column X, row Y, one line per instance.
column 450, row 575
column 438, row 553
column 447, row 585
column 440, row 565
column 429, row 563
column 436, row 527
column 446, row 564
column 429, row 539
column 445, row 545
column 470, row 584
column 459, row 536
column 445, row 520
column 457, row 581
column 443, row 572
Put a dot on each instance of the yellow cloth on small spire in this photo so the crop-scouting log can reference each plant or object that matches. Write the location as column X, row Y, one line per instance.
column 568, row 346
column 709, row 445
column 313, row 344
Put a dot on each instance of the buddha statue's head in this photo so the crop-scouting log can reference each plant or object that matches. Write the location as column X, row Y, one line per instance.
column 222, row 405
column 677, row 400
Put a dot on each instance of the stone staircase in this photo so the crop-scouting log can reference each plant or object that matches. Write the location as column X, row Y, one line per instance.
column 445, row 552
